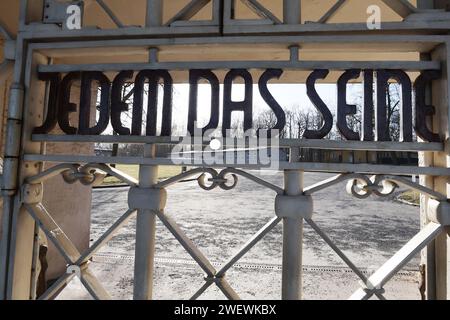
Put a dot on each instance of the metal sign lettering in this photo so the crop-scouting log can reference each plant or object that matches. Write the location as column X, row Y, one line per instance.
column 112, row 105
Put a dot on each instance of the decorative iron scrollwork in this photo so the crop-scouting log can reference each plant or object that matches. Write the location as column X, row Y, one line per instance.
column 216, row 179
column 362, row 186
column 87, row 175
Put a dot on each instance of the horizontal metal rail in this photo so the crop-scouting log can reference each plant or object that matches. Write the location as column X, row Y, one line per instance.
column 287, row 65
column 284, row 143
column 371, row 42
column 283, row 165
column 319, row 186
column 237, row 27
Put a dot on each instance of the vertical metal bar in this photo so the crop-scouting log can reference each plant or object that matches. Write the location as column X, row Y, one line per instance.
column 148, row 177
column 428, row 256
column 154, row 13
column 11, row 166
column 441, row 101
column 294, row 54
column 145, row 235
column 292, row 241
column 217, row 15
column 292, row 11
column 23, row 14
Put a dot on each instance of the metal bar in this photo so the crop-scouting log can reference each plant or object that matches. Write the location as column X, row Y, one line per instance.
column 341, row 254
column 338, row 251
column 93, row 286
column 23, row 12
column 190, row 10
column 57, row 236
column 108, row 235
column 283, row 143
column 144, row 262
column 291, row 11
column 399, row 180
column 218, row 65
column 154, row 13
column 37, row 33
column 227, row 290
column 60, row 283
column 145, row 234
column 122, row 176
column 332, row 11
column 321, row 185
column 50, row 173
column 110, row 13
column 417, row 26
column 186, row 175
column 292, row 241
column 187, row 244
column 253, row 178
column 201, row 290
column 416, row 186
column 11, row 201
column 283, row 165
column 261, row 11
column 399, row 260
column 254, row 39
column 249, row 245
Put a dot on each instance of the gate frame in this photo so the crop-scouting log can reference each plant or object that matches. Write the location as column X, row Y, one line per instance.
column 23, row 157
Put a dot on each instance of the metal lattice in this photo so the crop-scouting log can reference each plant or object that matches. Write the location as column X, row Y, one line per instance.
column 358, row 185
